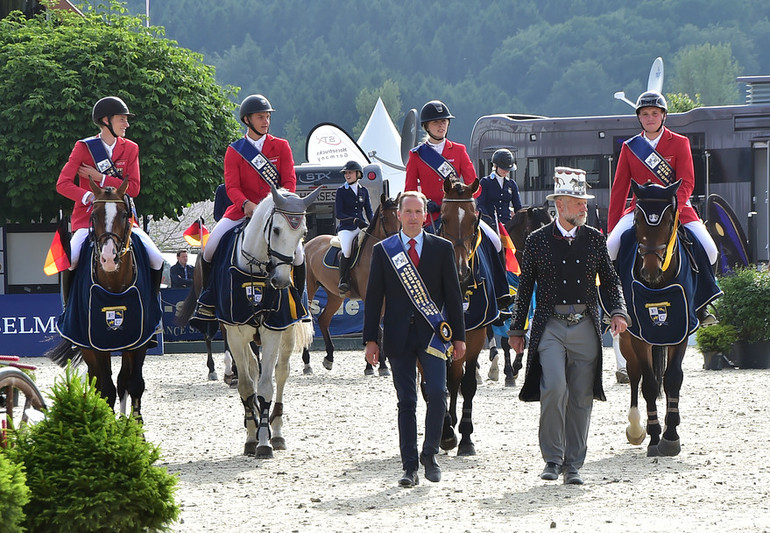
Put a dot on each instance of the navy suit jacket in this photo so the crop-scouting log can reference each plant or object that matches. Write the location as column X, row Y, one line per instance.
column 349, row 206
column 494, row 199
column 438, row 271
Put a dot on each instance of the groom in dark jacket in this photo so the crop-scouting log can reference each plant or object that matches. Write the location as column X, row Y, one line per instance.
column 414, row 274
column 564, row 360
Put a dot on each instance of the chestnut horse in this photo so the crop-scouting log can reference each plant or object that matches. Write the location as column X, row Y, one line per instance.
column 651, row 262
column 460, row 225
column 384, row 223
column 113, row 268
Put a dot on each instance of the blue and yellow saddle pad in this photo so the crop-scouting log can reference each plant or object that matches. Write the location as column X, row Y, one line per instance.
column 484, row 287
column 235, row 297
column 101, row 320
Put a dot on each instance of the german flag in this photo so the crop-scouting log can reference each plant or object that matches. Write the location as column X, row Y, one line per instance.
column 58, row 257
column 511, row 264
column 197, row 234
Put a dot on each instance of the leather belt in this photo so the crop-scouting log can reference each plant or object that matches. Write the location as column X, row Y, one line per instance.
column 571, row 318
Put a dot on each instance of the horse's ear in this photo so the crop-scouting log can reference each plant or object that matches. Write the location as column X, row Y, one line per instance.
column 475, row 185
column 383, row 199
column 447, row 185
column 635, row 187
column 94, row 188
column 123, row 187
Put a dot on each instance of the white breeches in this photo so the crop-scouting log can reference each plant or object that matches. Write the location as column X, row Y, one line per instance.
column 346, row 237
column 697, row 227
column 492, row 234
column 226, row 224
column 80, row 236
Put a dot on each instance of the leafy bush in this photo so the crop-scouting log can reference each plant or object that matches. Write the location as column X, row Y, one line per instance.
column 14, row 494
column 88, row 471
column 746, row 303
column 717, row 338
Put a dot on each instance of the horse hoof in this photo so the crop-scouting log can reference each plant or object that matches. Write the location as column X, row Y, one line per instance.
column 369, row 370
column 449, row 443
column 264, row 452
column 510, row 382
column 327, row 364
column 494, row 370
column 479, row 379
column 213, row 376
column 636, row 440
column 307, row 369
column 465, row 450
column 383, row 371
column 652, row 451
column 227, row 379
column 669, row 448
column 279, row 443
column 234, row 383
column 250, row 449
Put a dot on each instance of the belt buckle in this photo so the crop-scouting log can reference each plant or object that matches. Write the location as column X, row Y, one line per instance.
column 574, row 318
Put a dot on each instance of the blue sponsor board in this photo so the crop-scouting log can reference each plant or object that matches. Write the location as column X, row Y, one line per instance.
column 28, row 324
column 171, row 300
column 349, row 318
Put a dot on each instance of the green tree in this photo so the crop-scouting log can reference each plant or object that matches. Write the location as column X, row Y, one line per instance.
column 708, row 70
column 681, row 102
column 53, row 68
column 366, row 100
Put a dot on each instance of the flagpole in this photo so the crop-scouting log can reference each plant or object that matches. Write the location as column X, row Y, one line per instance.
column 147, row 11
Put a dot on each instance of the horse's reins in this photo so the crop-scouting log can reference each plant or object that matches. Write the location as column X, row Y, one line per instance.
column 459, row 240
column 124, row 242
column 294, row 219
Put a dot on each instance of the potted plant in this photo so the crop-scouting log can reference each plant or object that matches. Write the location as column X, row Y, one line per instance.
column 746, row 306
column 715, row 342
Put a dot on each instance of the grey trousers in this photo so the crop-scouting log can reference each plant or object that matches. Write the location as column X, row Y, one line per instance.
column 568, row 355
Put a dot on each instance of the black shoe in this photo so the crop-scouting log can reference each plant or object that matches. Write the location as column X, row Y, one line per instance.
column 432, row 469
column 572, row 477
column 551, row 472
column 409, row 479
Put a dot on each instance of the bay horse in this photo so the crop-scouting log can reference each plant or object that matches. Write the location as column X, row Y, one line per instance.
column 114, row 268
column 384, row 223
column 652, row 262
column 522, row 223
column 460, row 225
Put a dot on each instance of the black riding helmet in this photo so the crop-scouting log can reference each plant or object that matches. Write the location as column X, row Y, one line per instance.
column 503, row 159
column 255, row 103
column 108, row 107
column 652, row 99
column 353, row 165
column 434, row 110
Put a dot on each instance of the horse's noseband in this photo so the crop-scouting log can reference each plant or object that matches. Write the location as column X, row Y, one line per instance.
column 123, row 242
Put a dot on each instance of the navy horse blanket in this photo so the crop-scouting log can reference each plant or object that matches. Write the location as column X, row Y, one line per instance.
column 236, row 298
column 666, row 316
column 97, row 319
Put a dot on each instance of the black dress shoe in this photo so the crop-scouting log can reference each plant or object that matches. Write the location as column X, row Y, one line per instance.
column 572, row 477
column 551, row 472
column 409, row 479
column 432, row 470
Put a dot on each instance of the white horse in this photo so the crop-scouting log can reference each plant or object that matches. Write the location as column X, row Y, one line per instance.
column 269, row 242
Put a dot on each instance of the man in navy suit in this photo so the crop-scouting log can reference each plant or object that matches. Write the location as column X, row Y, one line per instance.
column 410, row 332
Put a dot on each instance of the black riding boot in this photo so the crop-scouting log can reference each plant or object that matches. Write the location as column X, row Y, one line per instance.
column 344, row 285
column 155, row 278
column 205, row 272
column 66, row 281
column 298, row 277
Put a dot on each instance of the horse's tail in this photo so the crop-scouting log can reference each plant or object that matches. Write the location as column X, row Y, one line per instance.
column 64, row 352
column 659, row 359
column 303, row 335
column 186, row 310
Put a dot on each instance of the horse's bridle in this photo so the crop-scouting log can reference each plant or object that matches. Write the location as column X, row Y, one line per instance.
column 294, row 219
column 123, row 241
column 667, row 248
column 459, row 240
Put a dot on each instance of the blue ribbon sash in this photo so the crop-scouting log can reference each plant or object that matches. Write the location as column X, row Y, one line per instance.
column 651, row 159
column 415, row 288
column 258, row 161
column 437, row 162
column 102, row 161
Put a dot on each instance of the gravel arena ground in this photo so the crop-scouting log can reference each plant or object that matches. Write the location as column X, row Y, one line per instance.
column 341, row 468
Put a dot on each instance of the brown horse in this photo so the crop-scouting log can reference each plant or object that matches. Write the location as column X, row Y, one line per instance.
column 384, row 223
column 522, row 223
column 460, row 225
column 657, row 261
column 113, row 268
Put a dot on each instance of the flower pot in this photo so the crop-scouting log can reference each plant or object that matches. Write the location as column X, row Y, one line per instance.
column 752, row 354
column 713, row 360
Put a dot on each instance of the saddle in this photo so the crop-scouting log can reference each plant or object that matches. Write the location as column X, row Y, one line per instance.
column 332, row 257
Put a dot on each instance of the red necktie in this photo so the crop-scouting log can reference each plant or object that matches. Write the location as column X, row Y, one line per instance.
column 413, row 253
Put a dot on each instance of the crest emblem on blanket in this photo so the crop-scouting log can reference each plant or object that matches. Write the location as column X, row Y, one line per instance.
column 114, row 316
column 658, row 313
column 253, row 292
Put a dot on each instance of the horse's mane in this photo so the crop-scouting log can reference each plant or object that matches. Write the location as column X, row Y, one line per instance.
column 373, row 222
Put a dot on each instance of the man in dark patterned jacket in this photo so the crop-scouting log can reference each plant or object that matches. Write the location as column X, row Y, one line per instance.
column 564, row 360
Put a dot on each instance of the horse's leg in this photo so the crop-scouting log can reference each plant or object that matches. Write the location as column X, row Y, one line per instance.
column 271, row 345
column 131, row 382
column 239, row 338
column 672, row 383
column 643, row 353
column 474, row 344
column 281, row 376
column 454, row 376
column 333, row 303
column 635, row 432
column 210, row 360
column 383, row 368
column 99, row 367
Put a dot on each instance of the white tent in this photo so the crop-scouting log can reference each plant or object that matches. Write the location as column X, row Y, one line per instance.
column 382, row 143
